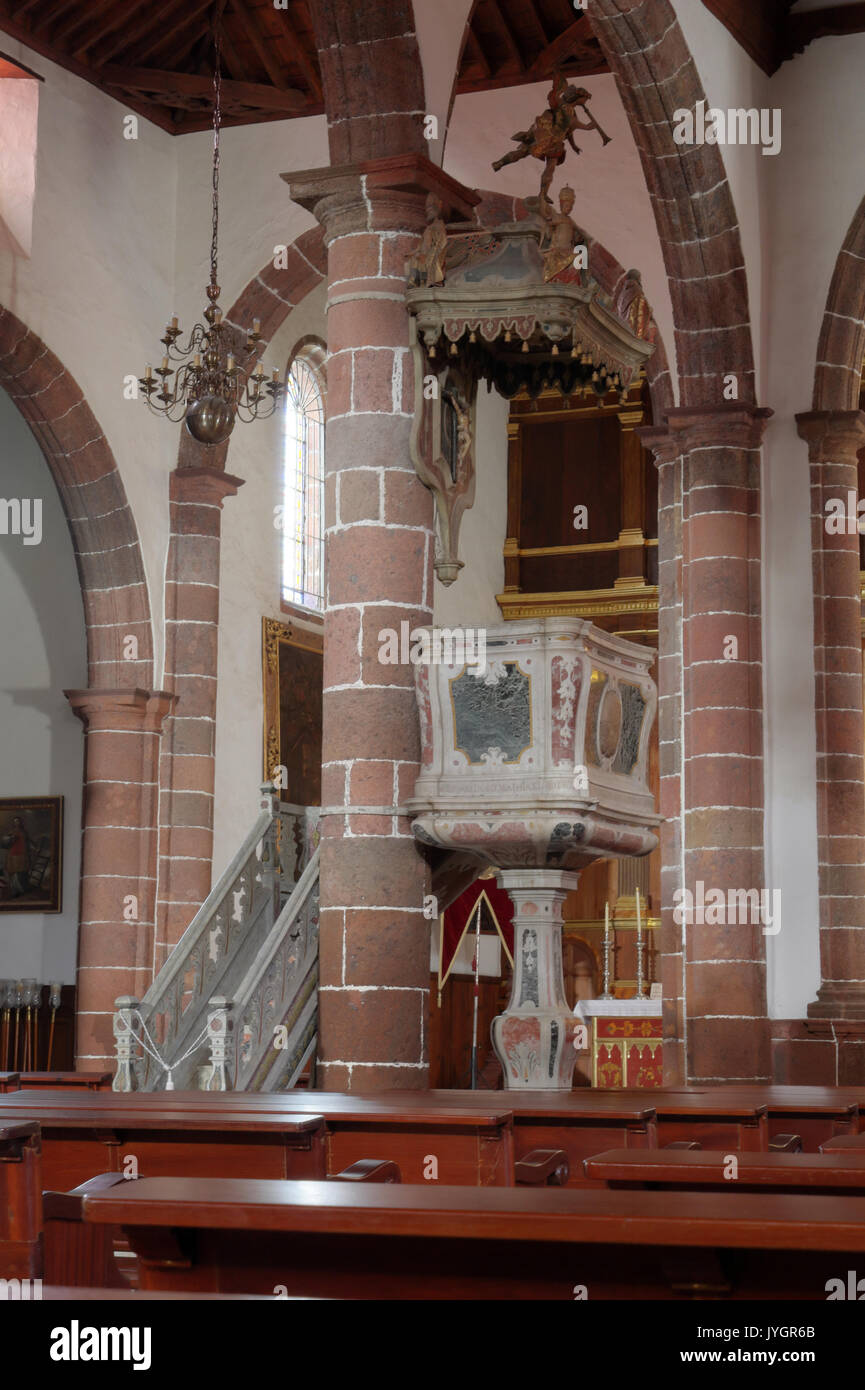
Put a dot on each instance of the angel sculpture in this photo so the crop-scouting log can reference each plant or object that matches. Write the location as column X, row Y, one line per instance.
column 546, row 137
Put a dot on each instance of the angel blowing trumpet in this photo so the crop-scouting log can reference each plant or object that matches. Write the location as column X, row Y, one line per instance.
column 552, row 130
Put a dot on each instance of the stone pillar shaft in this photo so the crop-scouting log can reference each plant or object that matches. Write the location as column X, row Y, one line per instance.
column 374, row 937
column 710, row 678
column 834, row 439
column 118, row 859
column 191, row 650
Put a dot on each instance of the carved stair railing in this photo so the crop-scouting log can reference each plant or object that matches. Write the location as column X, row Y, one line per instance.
column 266, row 1031
column 162, row 1041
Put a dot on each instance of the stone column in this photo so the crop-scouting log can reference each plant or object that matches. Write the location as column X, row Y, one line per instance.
column 534, row 1038
column 191, row 648
column 834, row 439
column 712, row 755
column 374, row 937
column 118, row 859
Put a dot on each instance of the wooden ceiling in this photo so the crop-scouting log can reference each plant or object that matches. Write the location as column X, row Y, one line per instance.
column 156, row 58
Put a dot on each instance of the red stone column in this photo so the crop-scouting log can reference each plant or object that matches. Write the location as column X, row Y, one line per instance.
column 118, row 859
column 374, row 951
column 711, row 749
column 834, row 439
column 191, row 648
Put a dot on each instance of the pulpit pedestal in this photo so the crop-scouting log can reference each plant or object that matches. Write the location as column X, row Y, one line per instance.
column 535, row 1038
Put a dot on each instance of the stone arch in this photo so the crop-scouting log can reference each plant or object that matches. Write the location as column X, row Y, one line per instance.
column 841, row 346
column 372, row 78
column 103, row 531
column 693, row 205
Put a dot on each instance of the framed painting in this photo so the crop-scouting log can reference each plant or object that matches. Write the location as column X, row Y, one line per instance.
column 31, row 853
column 292, row 659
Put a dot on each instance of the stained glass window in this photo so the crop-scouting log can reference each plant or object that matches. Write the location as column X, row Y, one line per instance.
column 303, row 516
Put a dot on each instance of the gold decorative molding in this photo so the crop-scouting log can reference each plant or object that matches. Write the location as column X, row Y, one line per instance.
column 581, row 603
column 626, row 540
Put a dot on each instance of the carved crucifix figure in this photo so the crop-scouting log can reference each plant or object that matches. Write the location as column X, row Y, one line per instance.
column 552, row 130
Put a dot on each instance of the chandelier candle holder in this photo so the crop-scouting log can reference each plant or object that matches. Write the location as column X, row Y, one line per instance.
column 211, row 391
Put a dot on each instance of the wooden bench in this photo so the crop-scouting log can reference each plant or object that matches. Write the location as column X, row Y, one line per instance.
column 815, row 1113
column 712, row 1119
column 20, row 1201
column 90, row 1132
column 844, row 1142
column 578, row 1123
column 66, row 1080
column 378, row 1241
column 9, row 1081
column 835, row 1173
column 219, row 1134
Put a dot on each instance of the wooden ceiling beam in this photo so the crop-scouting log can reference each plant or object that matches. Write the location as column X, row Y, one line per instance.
column 189, row 84
column 56, row 12
column 233, row 61
column 150, row 20
column 96, row 11
column 239, row 8
column 832, row 22
column 98, row 32
column 537, row 20
column 169, row 34
column 310, row 71
column 479, row 52
column 507, row 33
column 558, row 51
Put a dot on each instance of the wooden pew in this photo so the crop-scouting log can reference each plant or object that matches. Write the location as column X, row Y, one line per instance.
column 20, row 1201
column 579, row 1123
column 711, row 1118
column 66, row 1080
column 832, row 1173
column 377, row 1241
column 234, row 1131
column 85, row 1133
column 79, row 1255
column 9, row 1081
column 816, row 1113
column 856, row 1142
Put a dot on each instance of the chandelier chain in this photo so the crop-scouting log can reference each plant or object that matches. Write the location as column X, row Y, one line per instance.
column 217, row 121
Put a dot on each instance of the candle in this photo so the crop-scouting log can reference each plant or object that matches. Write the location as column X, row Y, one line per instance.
column 230, row 362
column 148, row 372
column 196, row 361
column 165, row 364
column 639, row 947
column 256, row 325
column 173, row 320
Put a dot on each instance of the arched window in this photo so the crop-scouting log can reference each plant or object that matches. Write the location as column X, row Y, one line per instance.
column 303, row 496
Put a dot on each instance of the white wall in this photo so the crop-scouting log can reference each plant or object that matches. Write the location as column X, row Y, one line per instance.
column 42, row 652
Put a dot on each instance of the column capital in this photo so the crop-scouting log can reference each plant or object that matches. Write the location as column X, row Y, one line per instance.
column 731, row 425
column 378, row 194
column 196, row 483
column 126, row 709
column 832, row 436
column 665, row 445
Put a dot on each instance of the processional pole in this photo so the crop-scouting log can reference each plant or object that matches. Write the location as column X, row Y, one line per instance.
column 476, row 964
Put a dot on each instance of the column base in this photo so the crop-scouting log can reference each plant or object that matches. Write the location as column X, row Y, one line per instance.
column 843, row 1001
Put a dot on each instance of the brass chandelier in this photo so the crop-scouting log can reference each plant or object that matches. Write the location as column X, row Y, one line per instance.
column 211, row 391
